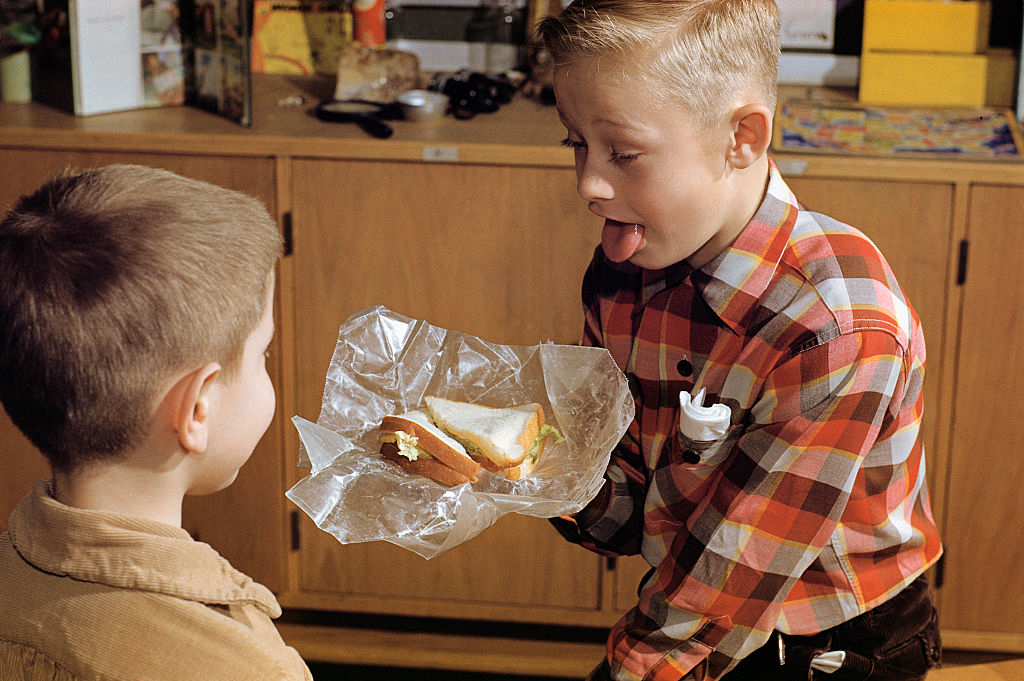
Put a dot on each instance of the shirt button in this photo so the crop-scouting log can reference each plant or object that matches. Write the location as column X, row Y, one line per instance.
column 684, row 367
column 691, row 457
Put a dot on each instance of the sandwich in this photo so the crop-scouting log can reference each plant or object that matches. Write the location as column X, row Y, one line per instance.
column 417, row 445
column 507, row 441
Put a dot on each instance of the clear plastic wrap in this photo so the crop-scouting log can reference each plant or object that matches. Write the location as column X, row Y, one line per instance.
column 385, row 363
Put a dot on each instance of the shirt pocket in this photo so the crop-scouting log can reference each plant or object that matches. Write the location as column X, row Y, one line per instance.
column 693, row 454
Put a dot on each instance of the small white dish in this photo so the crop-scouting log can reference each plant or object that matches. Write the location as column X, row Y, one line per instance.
column 422, row 105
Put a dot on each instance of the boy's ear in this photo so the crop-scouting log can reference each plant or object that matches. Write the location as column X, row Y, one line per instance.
column 751, row 134
column 193, row 411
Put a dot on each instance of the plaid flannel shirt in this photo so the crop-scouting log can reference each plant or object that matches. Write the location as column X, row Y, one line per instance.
column 813, row 507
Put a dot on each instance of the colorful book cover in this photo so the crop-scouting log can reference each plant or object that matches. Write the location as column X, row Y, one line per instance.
column 299, row 37
column 221, row 75
column 162, row 50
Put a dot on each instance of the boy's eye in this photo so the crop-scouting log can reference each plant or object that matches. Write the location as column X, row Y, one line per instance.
column 574, row 144
column 624, row 157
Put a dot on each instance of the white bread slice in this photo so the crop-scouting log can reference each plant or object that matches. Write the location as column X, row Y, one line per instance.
column 496, row 437
column 436, row 451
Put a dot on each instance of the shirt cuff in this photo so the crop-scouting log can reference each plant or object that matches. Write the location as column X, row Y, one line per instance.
column 659, row 657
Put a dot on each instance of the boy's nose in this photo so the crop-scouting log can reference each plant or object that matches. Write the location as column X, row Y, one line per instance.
column 592, row 186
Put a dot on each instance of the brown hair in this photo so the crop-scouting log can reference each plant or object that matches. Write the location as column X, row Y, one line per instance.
column 114, row 279
column 697, row 53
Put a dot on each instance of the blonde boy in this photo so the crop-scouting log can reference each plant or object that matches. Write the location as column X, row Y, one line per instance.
column 773, row 477
column 136, row 307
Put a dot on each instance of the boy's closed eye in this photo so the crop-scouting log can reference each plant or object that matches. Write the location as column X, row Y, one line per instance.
column 624, row 157
column 620, row 157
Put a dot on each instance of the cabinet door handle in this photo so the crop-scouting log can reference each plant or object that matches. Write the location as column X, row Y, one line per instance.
column 961, row 268
column 287, row 233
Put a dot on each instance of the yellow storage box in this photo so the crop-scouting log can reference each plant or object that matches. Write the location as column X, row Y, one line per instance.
column 957, row 26
column 908, row 78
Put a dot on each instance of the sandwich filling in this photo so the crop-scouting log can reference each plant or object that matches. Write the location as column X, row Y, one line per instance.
column 531, row 453
column 408, row 445
column 546, row 431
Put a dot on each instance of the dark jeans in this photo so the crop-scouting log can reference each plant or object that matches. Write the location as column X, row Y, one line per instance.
column 896, row 641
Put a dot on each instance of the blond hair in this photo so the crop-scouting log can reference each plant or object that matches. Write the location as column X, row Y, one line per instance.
column 113, row 280
column 697, row 53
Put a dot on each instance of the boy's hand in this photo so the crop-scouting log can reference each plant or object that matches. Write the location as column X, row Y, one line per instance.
column 600, row 672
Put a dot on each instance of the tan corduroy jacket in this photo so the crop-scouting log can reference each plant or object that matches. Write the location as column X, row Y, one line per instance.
column 92, row 595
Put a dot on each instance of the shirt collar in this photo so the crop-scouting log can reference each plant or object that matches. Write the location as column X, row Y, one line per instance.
column 735, row 280
column 127, row 552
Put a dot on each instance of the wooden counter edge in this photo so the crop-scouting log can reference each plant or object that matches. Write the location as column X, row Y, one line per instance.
column 1007, row 670
column 417, row 650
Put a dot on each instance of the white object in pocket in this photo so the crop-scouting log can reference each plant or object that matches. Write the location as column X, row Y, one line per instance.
column 700, row 423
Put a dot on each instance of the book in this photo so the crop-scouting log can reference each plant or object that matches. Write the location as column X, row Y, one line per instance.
column 221, row 78
column 300, row 37
column 102, row 56
column 163, row 53
column 105, row 79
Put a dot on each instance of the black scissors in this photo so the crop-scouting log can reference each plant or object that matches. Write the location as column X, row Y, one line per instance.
column 369, row 116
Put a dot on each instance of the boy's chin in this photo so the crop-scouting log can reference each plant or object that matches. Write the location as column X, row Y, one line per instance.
column 648, row 259
column 203, row 488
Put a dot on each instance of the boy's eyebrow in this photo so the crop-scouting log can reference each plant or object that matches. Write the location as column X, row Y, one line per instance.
column 619, row 123
column 607, row 120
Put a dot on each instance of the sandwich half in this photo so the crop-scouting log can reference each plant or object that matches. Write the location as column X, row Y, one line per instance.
column 505, row 440
column 417, row 445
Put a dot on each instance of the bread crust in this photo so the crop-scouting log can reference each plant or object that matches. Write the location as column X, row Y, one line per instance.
column 529, row 433
column 457, row 461
column 498, row 462
column 435, row 470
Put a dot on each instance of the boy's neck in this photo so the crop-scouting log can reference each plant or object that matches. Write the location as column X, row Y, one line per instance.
column 749, row 186
column 119, row 487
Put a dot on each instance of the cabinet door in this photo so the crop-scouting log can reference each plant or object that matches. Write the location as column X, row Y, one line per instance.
column 497, row 252
column 983, row 590
column 244, row 522
column 911, row 223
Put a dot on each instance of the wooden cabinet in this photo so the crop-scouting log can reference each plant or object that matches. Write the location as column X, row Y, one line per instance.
column 493, row 242
column 494, row 251
column 983, row 589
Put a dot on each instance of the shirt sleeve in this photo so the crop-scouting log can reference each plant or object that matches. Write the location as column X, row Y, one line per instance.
column 773, row 504
column 612, row 523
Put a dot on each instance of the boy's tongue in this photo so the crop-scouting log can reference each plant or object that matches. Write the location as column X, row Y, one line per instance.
column 621, row 240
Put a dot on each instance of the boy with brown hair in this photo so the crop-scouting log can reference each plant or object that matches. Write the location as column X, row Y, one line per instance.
column 774, row 476
column 136, row 308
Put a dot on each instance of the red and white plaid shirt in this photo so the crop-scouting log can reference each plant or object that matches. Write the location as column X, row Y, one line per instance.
column 812, row 508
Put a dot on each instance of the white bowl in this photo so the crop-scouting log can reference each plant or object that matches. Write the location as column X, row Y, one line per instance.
column 422, row 105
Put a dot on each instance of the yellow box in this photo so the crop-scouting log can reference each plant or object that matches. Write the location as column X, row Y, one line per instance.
column 909, row 78
column 959, row 26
